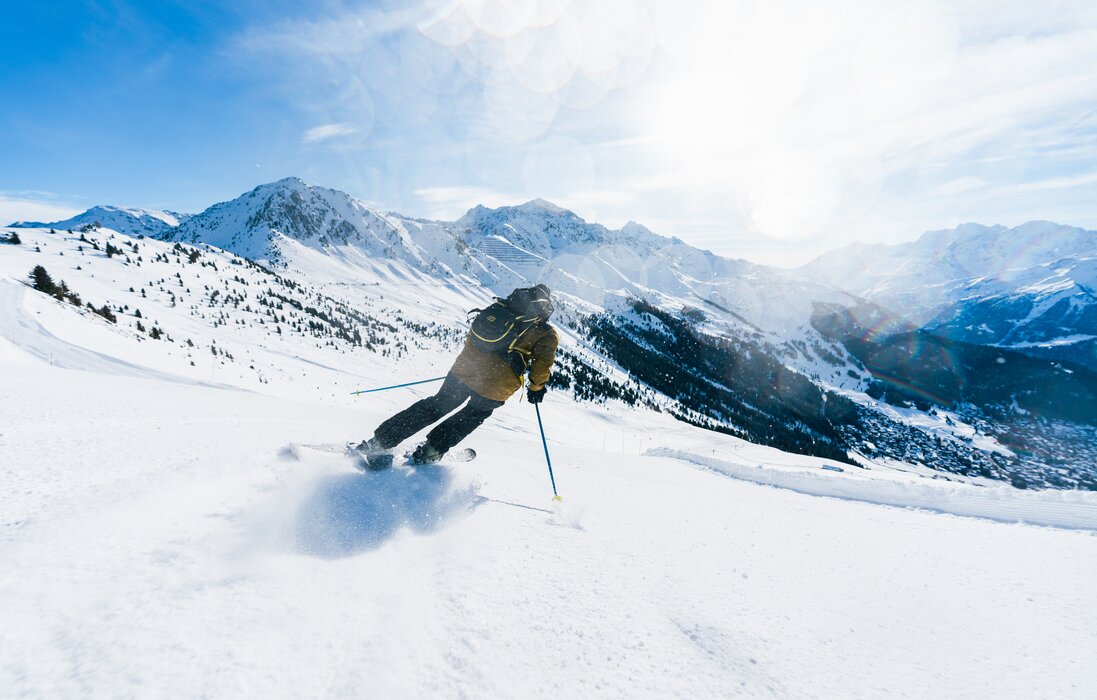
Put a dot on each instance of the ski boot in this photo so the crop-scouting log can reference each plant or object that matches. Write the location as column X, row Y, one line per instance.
column 372, row 455
column 425, row 454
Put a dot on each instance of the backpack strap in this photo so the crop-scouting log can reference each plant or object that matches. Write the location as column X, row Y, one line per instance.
column 530, row 323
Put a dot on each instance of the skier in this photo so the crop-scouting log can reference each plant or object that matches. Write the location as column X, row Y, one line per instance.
column 507, row 339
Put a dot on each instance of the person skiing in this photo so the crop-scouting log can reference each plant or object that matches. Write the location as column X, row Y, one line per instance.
column 507, row 340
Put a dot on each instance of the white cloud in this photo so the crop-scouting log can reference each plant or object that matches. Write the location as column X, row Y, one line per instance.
column 327, row 131
column 1056, row 183
column 30, row 206
column 451, row 203
column 744, row 121
column 810, row 115
column 961, row 185
column 344, row 34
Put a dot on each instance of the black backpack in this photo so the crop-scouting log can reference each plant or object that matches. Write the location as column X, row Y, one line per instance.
column 531, row 302
column 498, row 327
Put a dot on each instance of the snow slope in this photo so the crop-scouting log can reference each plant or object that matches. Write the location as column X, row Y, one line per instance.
column 158, row 542
column 1066, row 509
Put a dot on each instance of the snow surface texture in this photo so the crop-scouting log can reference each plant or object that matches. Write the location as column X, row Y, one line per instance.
column 159, row 541
column 157, row 545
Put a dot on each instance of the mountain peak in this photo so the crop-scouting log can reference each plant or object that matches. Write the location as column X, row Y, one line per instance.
column 1041, row 226
column 259, row 223
column 533, row 208
column 633, row 227
column 544, row 205
column 108, row 208
column 966, row 230
column 293, row 183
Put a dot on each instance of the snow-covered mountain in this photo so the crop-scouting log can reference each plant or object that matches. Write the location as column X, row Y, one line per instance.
column 759, row 319
column 161, row 396
column 1032, row 288
column 728, row 345
column 168, row 492
column 257, row 224
column 286, row 222
column 135, row 222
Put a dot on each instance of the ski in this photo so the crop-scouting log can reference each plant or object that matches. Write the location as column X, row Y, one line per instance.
column 465, row 454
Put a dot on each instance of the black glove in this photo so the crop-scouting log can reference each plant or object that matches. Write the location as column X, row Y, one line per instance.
column 535, row 396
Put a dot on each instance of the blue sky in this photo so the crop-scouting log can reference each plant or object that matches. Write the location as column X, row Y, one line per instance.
column 769, row 130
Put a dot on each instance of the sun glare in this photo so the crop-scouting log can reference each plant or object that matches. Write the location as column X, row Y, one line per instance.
column 787, row 107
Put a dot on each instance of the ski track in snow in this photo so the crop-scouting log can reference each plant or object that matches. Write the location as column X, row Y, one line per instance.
column 1065, row 509
column 158, row 545
column 25, row 333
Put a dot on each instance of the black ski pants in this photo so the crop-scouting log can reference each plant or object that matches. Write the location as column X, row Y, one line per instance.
column 422, row 413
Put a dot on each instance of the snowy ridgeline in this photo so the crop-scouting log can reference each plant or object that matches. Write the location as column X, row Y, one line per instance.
column 789, row 359
column 327, row 318
column 331, row 321
column 160, row 541
column 1028, row 288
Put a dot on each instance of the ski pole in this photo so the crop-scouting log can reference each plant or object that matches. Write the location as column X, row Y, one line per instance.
column 544, row 443
column 397, row 386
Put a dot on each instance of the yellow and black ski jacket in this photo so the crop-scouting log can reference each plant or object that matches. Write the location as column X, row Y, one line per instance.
column 491, row 376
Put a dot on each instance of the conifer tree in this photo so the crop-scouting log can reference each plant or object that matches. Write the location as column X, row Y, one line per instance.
column 105, row 312
column 42, row 280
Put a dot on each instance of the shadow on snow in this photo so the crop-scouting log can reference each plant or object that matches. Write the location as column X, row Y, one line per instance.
column 352, row 513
